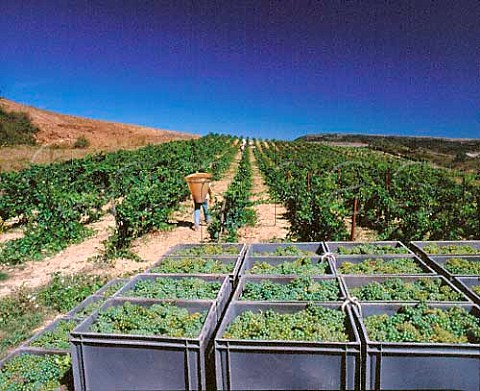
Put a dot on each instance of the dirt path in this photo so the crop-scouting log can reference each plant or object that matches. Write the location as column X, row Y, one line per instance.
column 78, row 258
column 271, row 225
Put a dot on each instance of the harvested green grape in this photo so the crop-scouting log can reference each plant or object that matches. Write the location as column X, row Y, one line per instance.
column 423, row 289
column 158, row 319
column 172, row 288
column 453, row 249
column 208, row 250
column 286, row 251
column 463, row 266
column 298, row 266
column 423, row 324
column 35, row 372
column 300, row 289
column 193, row 265
column 381, row 266
column 312, row 324
column 476, row 289
column 371, row 249
column 56, row 338
column 113, row 288
column 89, row 309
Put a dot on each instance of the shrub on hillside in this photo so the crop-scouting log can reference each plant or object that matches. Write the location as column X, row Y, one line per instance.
column 16, row 128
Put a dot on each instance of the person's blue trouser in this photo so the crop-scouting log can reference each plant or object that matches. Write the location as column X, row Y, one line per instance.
column 196, row 213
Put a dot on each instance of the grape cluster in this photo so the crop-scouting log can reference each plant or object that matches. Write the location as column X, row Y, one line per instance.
column 113, row 288
column 27, row 372
column 89, row 309
column 289, row 250
column 476, row 289
column 453, row 249
column 298, row 266
column 312, row 324
column 56, row 338
column 158, row 319
column 193, row 265
column 208, row 250
column 463, row 266
column 301, row 289
column 381, row 266
column 371, row 249
column 171, row 288
column 424, row 289
column 421, row 323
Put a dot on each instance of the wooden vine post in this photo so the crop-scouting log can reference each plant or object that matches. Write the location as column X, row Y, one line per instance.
column 354, row 218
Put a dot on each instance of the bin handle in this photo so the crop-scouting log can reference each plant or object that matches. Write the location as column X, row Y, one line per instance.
column 330, row 256
column 354, row 302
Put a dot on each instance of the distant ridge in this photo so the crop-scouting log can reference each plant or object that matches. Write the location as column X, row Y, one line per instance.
column 55, row 128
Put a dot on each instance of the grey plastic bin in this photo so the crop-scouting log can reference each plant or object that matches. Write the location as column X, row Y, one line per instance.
column 285, row 365
column 418, row 366
column 250, row 261
column 239, row 247
column 110, row 284
column 357, row 281
column 466, row 284
column 418, row 246
column 254, row 278
column 139, row 362
column 333, row 247
column 360, row 258
column 268, row 249
column 221, row 300
column 77, row 311
column 438, row 264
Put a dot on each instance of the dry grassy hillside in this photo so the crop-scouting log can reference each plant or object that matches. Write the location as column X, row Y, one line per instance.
column 58, row 133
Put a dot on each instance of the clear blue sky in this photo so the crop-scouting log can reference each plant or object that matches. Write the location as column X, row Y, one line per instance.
column 257, row 68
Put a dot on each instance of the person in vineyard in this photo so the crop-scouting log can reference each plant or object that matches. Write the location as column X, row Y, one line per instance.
column 201, row 205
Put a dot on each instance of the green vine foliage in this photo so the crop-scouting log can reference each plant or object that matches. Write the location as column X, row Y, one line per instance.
column 423, row 289
column 305, row 266
column 175, row 288
column 27, row 372
column 381, row 266
column 312, row 324
column 371, row 249
column 463, row 266
column 423, row 324
column 194, row 265
column 158, row 319
column 299, row 289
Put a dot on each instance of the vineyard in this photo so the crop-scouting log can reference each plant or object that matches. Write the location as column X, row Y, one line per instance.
column 326, row 192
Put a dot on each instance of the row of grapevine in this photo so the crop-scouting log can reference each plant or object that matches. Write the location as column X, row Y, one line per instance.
column 235, row 211
column 399, row 199
column 53, row 202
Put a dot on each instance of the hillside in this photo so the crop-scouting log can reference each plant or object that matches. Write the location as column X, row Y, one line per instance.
column 61, row 129
column 461, row 154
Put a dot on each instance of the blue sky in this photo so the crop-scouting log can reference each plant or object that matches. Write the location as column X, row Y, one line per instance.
column 255, row 68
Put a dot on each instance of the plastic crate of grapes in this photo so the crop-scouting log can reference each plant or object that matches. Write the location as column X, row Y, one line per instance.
column 447, row 247
column 367, row 248
column 286, row 266
column 289, row 289
column 402, row 289
column 311, row 249
column 392, row 265
column 456, row 265
column 142, row 361
column 471, row 287
column 141, row 287
column 416, row 365
column 262, row 364
column 228, row 250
